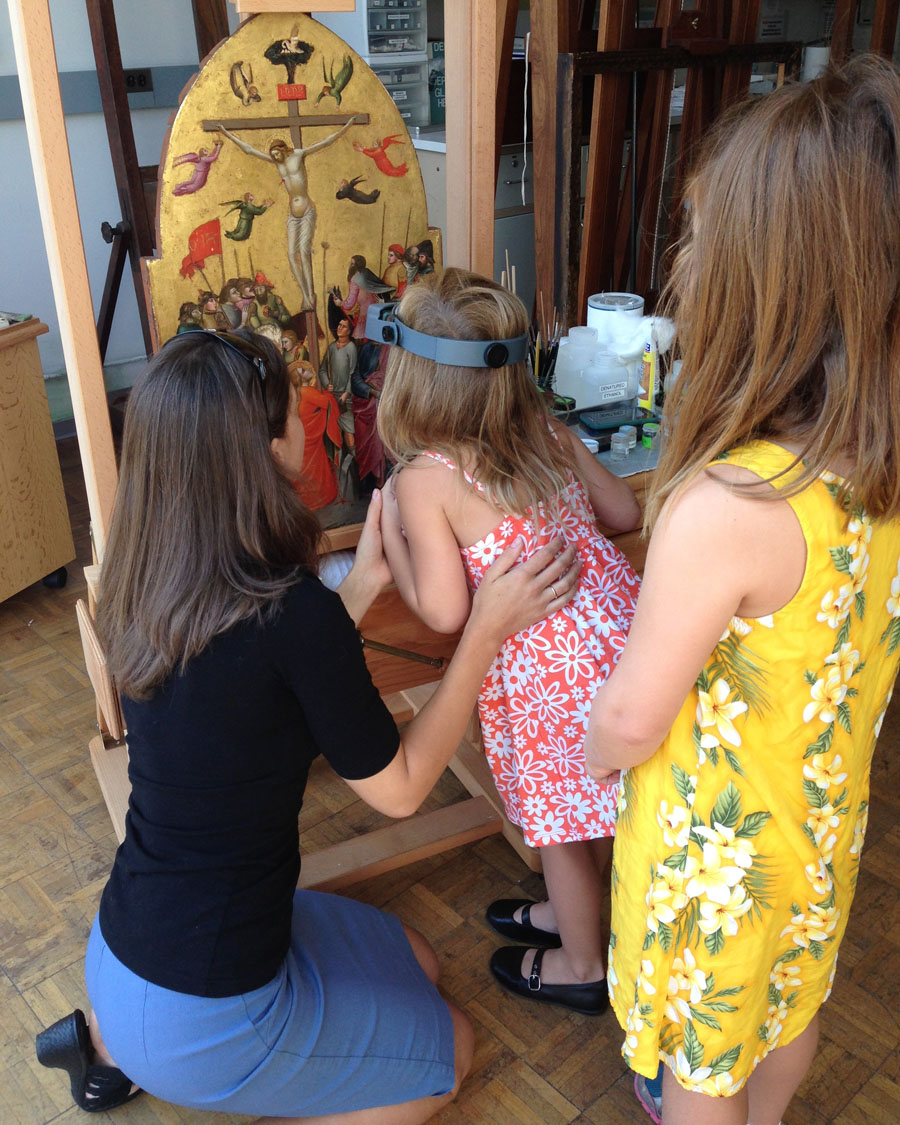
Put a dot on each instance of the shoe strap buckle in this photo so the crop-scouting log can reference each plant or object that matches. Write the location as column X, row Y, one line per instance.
column 534, row 977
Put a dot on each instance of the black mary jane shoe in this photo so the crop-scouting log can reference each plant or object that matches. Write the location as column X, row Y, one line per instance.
column 66, row 1045
column 591, row 999
column 500, row 915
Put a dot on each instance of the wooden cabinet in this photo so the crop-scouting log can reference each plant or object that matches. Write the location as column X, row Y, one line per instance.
column 35, row 535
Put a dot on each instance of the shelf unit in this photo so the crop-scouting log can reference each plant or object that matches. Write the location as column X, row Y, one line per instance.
column 392, row 37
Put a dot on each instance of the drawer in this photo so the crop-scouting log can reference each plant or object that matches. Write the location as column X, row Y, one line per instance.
column 397, row 42
column 407, row 83
column 402, row 74
column 509, row 182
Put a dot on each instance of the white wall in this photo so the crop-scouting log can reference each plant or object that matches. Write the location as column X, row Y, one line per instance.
column 151, row 33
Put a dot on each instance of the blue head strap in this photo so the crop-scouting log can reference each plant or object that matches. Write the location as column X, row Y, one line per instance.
column 385, row 327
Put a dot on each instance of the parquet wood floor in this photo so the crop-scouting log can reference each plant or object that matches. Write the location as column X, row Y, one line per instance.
column 533, row 1066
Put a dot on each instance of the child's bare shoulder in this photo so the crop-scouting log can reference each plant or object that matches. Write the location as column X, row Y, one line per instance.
column 424, row 476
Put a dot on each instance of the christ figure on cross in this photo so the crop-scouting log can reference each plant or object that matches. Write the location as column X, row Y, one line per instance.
column 301, row 221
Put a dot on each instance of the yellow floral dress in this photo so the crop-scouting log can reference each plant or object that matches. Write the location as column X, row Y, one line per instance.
column 738, row 842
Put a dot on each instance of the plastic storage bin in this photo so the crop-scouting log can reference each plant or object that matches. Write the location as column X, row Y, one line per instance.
column 407, row 83
column 392, row 36
column 382, row 28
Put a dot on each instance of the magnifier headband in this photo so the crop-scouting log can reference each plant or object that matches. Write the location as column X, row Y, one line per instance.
column 385, row 327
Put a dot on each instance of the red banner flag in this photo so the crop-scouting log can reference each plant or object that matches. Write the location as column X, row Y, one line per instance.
column 203, row 241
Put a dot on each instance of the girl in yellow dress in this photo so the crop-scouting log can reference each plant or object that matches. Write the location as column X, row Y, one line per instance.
column 748, row 700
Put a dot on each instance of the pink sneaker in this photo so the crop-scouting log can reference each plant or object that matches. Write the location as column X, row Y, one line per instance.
column 651, row 1105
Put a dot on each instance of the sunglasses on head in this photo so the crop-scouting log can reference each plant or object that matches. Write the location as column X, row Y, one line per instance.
column 243, row 348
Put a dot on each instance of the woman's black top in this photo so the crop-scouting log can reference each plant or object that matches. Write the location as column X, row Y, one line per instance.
column 200, row 895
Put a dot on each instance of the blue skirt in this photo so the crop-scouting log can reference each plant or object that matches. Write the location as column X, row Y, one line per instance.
column 350, row 1022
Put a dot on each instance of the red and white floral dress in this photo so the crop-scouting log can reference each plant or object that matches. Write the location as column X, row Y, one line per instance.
column 536, row 699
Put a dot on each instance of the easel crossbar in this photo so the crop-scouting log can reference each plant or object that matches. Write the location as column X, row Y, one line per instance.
column 572, row 68
column 592, row 63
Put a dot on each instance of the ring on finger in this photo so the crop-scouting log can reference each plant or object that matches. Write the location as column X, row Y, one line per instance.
column 552, row 589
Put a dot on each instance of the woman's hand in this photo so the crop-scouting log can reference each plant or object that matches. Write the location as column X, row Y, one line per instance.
column 513, row 596
column 370, row 573
column 390, row 510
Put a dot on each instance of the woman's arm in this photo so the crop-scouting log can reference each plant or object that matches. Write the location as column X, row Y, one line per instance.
column 611, row 497
column 421, row 548
column 511, row 597
column 713, row 555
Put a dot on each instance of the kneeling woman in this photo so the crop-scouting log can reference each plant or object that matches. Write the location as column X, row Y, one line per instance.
column 215, row 983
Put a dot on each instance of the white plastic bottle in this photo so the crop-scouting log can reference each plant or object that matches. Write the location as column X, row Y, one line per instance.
column 576, row 352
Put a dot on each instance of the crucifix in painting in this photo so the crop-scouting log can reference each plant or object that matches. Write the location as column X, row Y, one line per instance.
column 291, row 166
column 290, row 163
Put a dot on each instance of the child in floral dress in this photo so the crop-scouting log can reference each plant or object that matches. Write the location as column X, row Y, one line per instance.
column 767, row 634
column 484, row 466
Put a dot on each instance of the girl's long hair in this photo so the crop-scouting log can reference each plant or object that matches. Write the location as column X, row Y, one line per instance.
column 786, row 289
column 206, row 531
column 492, row 418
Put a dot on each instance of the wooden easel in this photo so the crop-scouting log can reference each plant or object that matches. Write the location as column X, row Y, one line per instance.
column 883, row 34
column 602, row 263
column 132, row 236
column 631, row 69
column 473, row 147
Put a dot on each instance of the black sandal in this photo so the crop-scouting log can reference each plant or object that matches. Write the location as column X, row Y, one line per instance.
column 66, row 1045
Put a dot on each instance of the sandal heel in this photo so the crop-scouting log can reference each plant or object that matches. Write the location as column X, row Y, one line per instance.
column 63, row 1044
column 66, row 1045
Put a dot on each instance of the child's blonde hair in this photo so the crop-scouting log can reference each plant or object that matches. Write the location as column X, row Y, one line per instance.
column 786, row 290
column 496, row 417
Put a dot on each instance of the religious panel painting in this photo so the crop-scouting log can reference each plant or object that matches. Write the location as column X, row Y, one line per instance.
column 290, row 200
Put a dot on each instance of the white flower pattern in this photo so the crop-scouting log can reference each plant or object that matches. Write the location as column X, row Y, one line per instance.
column 536, row 700
column 744, row 831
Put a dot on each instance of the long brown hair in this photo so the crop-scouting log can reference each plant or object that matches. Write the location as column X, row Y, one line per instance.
column 206, row 531
column 496, row 417
column 786, row 289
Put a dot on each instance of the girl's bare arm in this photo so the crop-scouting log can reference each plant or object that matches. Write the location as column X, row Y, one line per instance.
column 611, row 497
column 421, row 548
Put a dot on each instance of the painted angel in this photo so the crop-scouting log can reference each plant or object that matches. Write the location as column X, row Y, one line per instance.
column 241, row 78
column 378, row 153
column 335, row 83
column 202, row 161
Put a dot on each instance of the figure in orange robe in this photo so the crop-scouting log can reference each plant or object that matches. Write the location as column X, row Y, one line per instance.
column 319, row 413
column 379, row 154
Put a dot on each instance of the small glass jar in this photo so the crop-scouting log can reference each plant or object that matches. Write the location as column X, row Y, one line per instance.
column 618, row 447
column 650, row 435
column 631, row 433
column 591, row 445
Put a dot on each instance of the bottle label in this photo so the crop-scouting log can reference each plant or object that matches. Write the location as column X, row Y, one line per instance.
column 648, row 378
column 614, row 391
